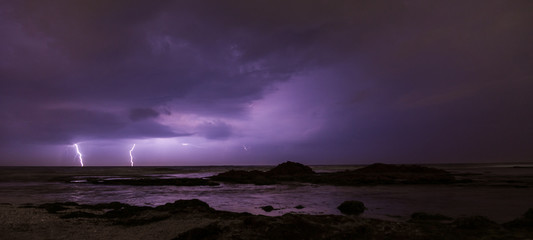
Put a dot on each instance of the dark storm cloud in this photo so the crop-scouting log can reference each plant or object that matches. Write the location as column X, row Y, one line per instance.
column 92, row 50
column 137, row 114
column 67, row 126
column 386, row 80
column 217, row 130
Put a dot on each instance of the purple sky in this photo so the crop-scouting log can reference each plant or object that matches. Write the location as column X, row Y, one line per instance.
column 261, row 82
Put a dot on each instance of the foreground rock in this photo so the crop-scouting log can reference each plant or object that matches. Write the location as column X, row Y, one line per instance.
column 370, row 175
column 194, row 219
column 428, row 217
column 352, row 207
column 125, row 214
column 524, row 222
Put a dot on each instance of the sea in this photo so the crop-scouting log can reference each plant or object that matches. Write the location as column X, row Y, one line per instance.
column 500, row 192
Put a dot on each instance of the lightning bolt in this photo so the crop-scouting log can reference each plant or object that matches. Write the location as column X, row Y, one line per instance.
column 79, row 154
column 244, row 147
column 131, row 156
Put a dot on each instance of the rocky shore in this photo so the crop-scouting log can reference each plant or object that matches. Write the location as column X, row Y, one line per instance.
column 375, row 174
column 194, row 219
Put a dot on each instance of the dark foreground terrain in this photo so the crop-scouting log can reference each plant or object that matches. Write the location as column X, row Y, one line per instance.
column 194, row 219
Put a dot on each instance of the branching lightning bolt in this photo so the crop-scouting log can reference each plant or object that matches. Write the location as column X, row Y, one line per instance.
column 131, row 156
column 79, row 154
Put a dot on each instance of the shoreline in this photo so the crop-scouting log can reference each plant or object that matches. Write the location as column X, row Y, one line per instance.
column 389, row 191
column 194, row 219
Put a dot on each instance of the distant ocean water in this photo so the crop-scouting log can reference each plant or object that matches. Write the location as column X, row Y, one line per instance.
column 499, row 191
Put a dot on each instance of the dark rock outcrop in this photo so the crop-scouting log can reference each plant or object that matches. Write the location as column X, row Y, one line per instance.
column 387, row 174
column 267, row 208
column 352, row 207
column 56, row 207
column 525, row 221
column 290, row 169
column 125, row 214
column 193, row 205
column 209, row 232
column 287, row 171
column 212, row 224
column 374, row 174
column 474, row 222
column 245, row 177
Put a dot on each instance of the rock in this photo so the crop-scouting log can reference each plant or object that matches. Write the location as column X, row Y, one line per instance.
column 245, row 177
column 299, row 207
column 128, row 215
column 422, row 216
column 53, row 207
column 295, row 227
column 288, row 171
column 209, row 232
column 267, row 208
column 474, row 222
column 412, row 174
column 142, row 218
column 352, row 207
column 529, row 214
column 102, row 206
column 227, row 225
column 394, row 168
column 386, row 174
column 290, row 168
column 371, row 175
column 193, row 205
column 125, row 212
column 526, row 221
column 79, row 214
